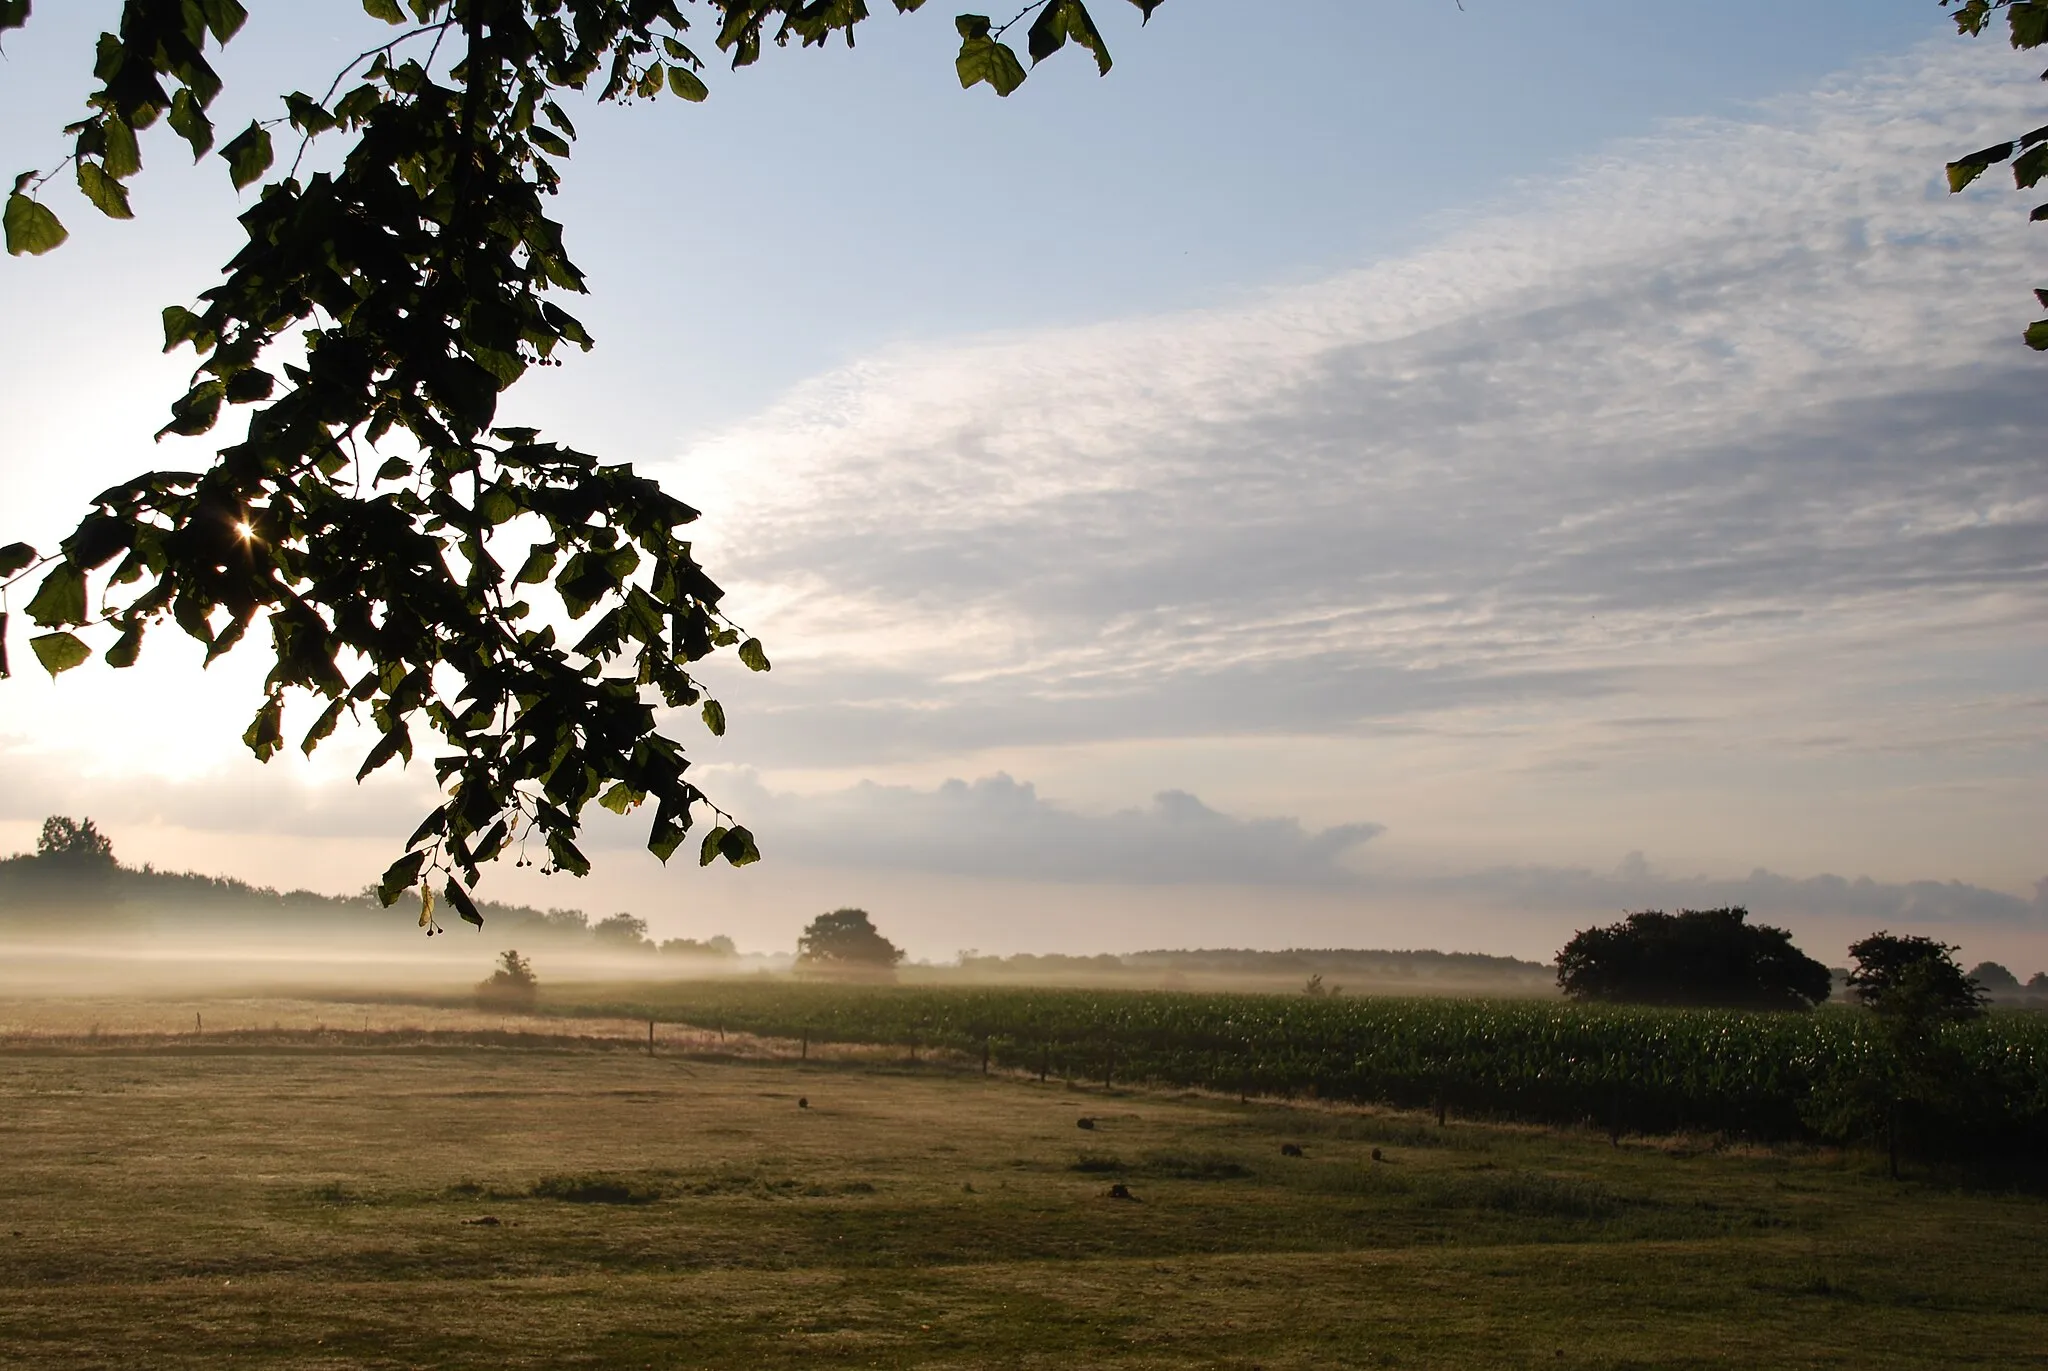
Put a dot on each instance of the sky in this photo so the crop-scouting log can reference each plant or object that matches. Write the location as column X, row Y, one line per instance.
column 1379, row 475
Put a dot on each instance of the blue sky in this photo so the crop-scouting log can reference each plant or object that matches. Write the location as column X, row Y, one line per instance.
column 1375, row 474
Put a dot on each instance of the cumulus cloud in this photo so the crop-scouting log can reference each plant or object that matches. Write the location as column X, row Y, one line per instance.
column 1743, row 387
column 999, row 827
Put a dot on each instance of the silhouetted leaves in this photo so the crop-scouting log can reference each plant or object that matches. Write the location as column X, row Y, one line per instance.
column 353, row 518
column 2026, row 27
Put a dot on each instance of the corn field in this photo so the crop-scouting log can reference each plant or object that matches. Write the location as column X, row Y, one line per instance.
column 1634, row 1070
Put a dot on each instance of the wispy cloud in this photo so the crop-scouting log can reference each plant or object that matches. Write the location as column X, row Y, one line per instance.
column 1741, row 393
column 1635, row 885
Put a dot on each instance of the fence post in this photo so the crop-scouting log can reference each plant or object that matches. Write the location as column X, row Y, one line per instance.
column 984, row 1054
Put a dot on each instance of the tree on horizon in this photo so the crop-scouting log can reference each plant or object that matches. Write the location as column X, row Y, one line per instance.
column 76, row 844
column 845, row 939
column 1696, row 957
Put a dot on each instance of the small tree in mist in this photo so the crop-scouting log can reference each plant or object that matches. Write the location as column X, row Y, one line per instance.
column 717, row 945
column 1913, row 1079
column 75, row 844
column 1995, row 979
column 622, row 933
column 512, row 986
column 845, row 940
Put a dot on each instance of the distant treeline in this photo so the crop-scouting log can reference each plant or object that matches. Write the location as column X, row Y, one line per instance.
column 1299, row 964
column 73, row 882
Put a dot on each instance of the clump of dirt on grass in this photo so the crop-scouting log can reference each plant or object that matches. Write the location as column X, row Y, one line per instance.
column 595, row 1189
column 771, row 1187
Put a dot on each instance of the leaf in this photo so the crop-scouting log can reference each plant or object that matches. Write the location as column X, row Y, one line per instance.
column 122, row 157
column 265, row 734
column 4, row 671
column 108, row 196
column 753, row 656
column 621, row 798
column 388, row 11
column 556, row 117
column 2028, row 167
column 464, row 906
column 30, row 226
column 224, row 17
column 665, row 836
column 181, row 325
column 2029, row 23
column 682, row 81
column 1963, row 171
column 568, row 857
column 324, row 725
column 128, row 646
column 249, row 385
column 984, row 59
column 714, row 718
column 307, row 114
column 399, row 876
column 737, row 847
column 189, row 120
column 60, row 599
column 2037, row 335
column 14, row 557
column 538, row 564
column 426, row 905
column 1063, row 20
column 196, row 412
column 708, row 853
column 248, row 155
column 59, row 652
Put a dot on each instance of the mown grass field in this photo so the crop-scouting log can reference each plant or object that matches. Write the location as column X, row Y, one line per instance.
column 318, row 1199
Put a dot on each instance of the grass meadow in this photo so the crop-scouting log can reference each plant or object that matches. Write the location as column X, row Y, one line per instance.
column 330, row 1185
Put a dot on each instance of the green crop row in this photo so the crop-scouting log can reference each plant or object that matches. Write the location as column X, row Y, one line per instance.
column 1630, row 1069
